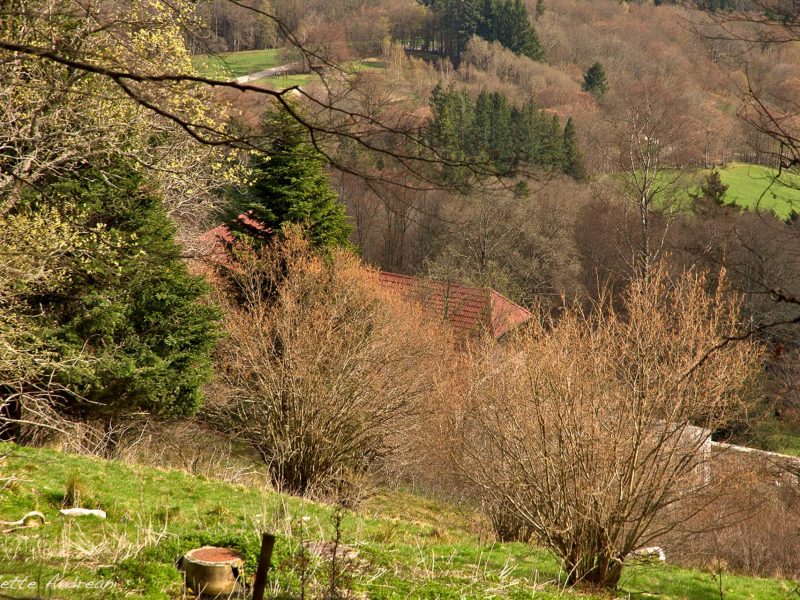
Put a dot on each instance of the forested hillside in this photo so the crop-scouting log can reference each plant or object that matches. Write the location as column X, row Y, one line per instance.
column 534, row 259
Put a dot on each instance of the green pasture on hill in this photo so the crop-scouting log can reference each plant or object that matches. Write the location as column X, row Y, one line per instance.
column 751, row 187
column 758, row 187
column 282, row 82
column 236, row 64
column 231, row 65
column 407, row 546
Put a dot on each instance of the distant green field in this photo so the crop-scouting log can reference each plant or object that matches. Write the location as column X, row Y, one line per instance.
column 749, row 186
column 281, row 82
column 235, row 64
column 776, row 436
column 754, row 186
column 369, row 65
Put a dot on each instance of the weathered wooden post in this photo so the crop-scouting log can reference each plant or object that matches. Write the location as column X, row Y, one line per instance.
column 264, row 560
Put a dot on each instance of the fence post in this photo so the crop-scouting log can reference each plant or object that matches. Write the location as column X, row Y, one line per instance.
column 264, row 560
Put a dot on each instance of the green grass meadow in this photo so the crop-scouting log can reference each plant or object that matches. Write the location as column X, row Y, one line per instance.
column 236, row 64
column 407, row 546
column 757, row 187
column 750, row 187
column 282, row 82
column 231, row 65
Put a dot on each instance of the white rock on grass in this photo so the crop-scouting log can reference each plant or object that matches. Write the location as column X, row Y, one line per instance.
column 83, row 512
column 649, row 553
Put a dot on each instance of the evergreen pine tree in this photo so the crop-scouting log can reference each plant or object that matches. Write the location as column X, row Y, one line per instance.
column 712, row 189
column 500, row 141
column 491, row 129
column 519, row 135
column 595, row 81
column 573, row 162
column 483, row 120
column 464, row 111
column 452, row 131
column 290, row 185
column 131, row 307
column 508, row 22
column 540, row 8
column 522, row 36
column 457, row 21
column 528, row 134
column 487, row 26
column 552, row 142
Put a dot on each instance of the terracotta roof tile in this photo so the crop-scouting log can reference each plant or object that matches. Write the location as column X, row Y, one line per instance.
column 468, row 309
column 214, row 241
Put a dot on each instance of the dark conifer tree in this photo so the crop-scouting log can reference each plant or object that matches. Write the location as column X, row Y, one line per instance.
column 595, row 81
column 455, row 22
column 492, row 130
column 131, row 305
column 483, row 120
column 573, row 162
column 712, row 189
column 504, row 21
column 552, row 148
column 528, row 133
column 521, row 37
column 290, row 185
column 500, row 143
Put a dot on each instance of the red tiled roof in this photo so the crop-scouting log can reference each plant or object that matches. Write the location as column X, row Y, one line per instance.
column 214, row 241
column 468, row 309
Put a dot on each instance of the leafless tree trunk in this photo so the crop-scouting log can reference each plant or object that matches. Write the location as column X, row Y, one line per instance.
column 649, row 135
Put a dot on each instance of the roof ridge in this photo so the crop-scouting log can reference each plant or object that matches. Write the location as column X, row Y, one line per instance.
column 507, row 299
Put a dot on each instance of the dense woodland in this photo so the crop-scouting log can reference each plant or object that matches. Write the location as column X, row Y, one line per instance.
column 566, row 153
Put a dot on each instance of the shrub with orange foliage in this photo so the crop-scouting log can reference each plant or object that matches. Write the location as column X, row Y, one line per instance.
column 326, row 374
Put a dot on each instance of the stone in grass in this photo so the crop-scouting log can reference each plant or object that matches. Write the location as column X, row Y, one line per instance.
column 83, row 512
column 649, row 554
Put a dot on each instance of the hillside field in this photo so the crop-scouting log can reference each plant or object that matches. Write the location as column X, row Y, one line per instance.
column 235, row 64
column 754, row 186
column 408, row 546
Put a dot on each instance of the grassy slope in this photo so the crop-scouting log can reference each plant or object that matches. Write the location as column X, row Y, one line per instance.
column 777, row 436
column 282, row 82
column 751, row 186
column 409, row 547
column 235, row 64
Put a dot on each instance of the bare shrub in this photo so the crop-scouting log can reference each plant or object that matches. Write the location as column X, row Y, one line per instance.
column 582, row 427
column 521, row 247
column 488, row 65
column 762, row 492
column 506, row 523
column 326, row 373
